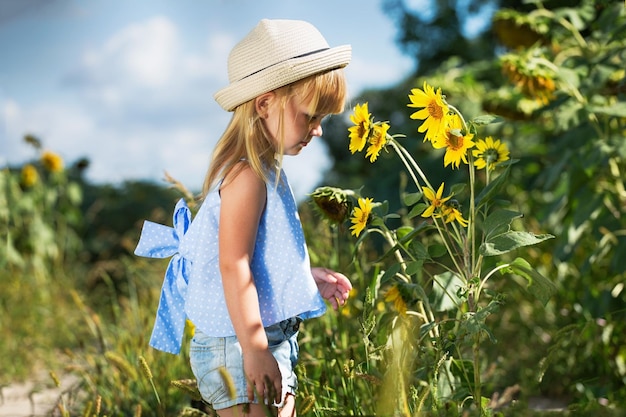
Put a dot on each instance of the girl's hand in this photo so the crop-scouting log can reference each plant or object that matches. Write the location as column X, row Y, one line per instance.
column 263, row 376
column 333, row 286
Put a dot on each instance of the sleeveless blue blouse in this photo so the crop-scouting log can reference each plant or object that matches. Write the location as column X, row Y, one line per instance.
column 193, row 283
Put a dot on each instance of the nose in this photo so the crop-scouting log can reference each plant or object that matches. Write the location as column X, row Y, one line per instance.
column 316, row 129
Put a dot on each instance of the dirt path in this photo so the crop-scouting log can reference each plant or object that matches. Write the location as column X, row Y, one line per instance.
column 32, row 399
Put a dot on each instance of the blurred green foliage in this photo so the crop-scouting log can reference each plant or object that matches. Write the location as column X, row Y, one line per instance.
column 556, row 78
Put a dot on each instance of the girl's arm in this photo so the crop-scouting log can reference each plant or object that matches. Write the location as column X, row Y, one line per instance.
column 242, row 202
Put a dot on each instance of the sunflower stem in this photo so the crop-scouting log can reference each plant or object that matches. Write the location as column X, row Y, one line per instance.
column 406, row 157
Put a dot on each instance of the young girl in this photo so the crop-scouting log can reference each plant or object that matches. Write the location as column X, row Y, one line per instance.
column 241, row 272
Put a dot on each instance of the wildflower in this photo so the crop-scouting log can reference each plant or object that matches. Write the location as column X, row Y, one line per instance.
column 489, row 153
column 436, row 202
column 451, row 213
column 145, row 368
column 361, row 129
column 190, row 328
column 361, row 215
column 434, row 111
column 121, row 363
column 51, row 161
column 395, row 296
column 455, row 142
column 332, row 203
column 189, row 386
column 377, row 141
column 227, row 381
column 29, row 176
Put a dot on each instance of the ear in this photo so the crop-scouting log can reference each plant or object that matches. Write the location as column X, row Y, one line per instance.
column 263, row 102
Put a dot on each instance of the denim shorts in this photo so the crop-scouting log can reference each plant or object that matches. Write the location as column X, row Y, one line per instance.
column 208, row 355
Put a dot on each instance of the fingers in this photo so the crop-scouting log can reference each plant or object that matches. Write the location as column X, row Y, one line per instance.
column 334, row 277
column 273, row 390
column 323, row 274
column 267, row 391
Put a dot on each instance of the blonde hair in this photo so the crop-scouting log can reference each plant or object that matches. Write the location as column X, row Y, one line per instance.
column 246, row 137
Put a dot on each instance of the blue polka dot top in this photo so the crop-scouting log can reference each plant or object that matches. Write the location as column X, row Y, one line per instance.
column 193, row 285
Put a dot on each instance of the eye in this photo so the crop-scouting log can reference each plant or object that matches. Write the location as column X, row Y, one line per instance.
column 316, row 118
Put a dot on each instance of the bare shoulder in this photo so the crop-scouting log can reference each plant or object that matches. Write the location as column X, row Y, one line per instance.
column 242, row 183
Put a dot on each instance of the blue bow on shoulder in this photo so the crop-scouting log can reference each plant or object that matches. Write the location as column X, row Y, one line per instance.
column 160, row 241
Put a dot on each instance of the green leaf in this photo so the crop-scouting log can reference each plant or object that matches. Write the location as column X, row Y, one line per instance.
column 538, row 285
column 616, row 109
column 427, row 327
column 405, row 238
column 414, row 267
column 374, row 286
column 445, row 288
column 74, row 193
column 570, row 76
column 499, row 222
column 13, row 256
column 492, row 188
column 403, row 231
column 417, row 210
column 474, row 323
column 381, row 209
column 457, row 189
column 485, row 119
column 376, row 222
column 506, row 242
column 436, row 250
column 390, row 273
column 418, row 250
column 412, row 198
column 391, row 216
column 463, row 370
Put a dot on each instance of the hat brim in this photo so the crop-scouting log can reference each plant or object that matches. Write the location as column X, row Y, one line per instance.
column 282, row 74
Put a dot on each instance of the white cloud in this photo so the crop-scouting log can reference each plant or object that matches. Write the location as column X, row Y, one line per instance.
column 142, row 54
column 211, row 62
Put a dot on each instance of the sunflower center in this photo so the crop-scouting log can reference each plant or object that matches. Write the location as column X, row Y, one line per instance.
column 437, row 203
column 491, row 155
column 455, row 140
column 435, row 110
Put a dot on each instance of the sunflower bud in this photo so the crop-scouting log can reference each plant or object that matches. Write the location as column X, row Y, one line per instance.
column 332, row 203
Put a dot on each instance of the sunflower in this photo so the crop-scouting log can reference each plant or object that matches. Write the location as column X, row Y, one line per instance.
column 332, row 203
column 533, row 79
column 360, row 216
column 436, row 202
column 434, row 111
column 455, row 142
column 377, row 140
column 451, row 213
column 395, row 296
column 489, row 153
column 29, row 176
column 361, row 129
column 51, row 161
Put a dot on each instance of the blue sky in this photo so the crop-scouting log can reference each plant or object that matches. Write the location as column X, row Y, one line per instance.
column 129, row 84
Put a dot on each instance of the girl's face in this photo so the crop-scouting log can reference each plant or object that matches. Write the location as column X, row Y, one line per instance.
column 299, row 126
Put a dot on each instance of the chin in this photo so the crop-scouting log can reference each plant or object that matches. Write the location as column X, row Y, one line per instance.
column 294, row 151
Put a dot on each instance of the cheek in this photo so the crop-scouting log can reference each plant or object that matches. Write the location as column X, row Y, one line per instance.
column 271, row 126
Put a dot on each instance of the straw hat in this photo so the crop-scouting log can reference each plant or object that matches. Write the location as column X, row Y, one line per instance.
column 276, row 53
